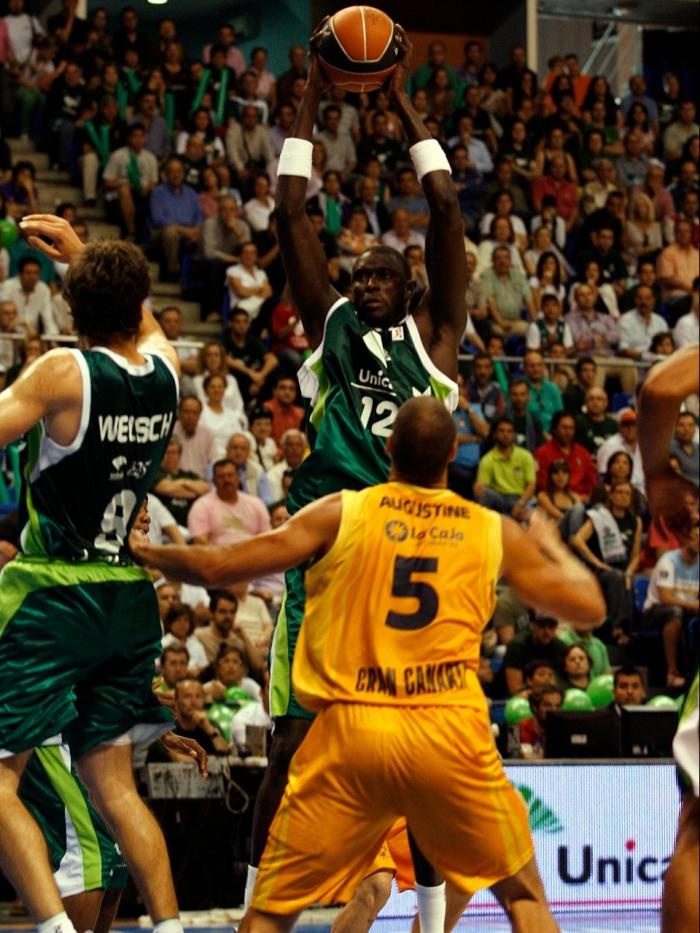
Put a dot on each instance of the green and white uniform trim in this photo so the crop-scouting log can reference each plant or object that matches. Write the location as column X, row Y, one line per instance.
column 685, row 743
column 353, row 384
column 83, row 855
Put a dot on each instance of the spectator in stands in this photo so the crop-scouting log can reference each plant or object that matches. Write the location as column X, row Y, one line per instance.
column 685, row 447
column 226, row 37
column 550, row 328
column 131, row 173
column 643, row 230
column 297, row 70
column 604, row 182
column 537, row 643
column 29, row 349
column 9, row 324
column 557, row 497
column 340, row 148
column 253, row 616
column 672, row 601
column 174, row 662
column 409, row 197
column 482, row 388
column 633, row 165
column 67, row 102
column 375, row 211
column 285, row 414
column 562, row 446
column 545, row 397
column 506, row 476
column 252, row 477
column 223, row 631
column 686, row 330
column 639, row 326
column 289, row 342
column 677, row 268
column 146, row 113
column 625, row 440
column 598, row 334
column 501, row 235
column 20, row 193
column 610, row 260
column 479, row 157
column 31, row 297
column 687, row 181
column 543, row 700
column 381, row 146
column 594, row 425
column 247, row 356
column 554, row 183
column 212, row 361
column 505, row 183
column 294, row 446
column 231, row 670
column 130, row 38
column 226, row 514
column 192, row 721
column 248, row 147
column 586, row 374
column 680, row 131
column 576, row 668
column 102, row 135
column 355, row 238
column 507, row 294
column 331, row 201
column 528, row 429
column 221, row 242
column 221, row 419
column 248, row 285
column 609, row 541
column 689, row 212
column 628, row 686
column 196, row 440
column 176, row 488
column 400, row 235
column 178, row 624
column 471, row 428
column 176, row 216
column 264, row 448
column 595, row 648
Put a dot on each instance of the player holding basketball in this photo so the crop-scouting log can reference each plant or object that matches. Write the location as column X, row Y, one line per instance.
column 675, row 499
column 79, row 629
column 401, row 580
column 370, row 355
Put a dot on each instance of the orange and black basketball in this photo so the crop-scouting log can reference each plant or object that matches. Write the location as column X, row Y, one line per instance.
column 358, row 48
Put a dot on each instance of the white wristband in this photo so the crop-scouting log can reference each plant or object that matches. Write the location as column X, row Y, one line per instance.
column 295, row 158
column 428, row 156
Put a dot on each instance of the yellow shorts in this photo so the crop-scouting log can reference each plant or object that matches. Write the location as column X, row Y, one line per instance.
column 361, row 768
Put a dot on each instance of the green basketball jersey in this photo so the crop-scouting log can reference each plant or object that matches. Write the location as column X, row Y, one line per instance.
column 80, row 501
column 354, row 384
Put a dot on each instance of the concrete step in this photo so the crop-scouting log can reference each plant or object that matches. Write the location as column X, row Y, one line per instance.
column 204, row 329
column 51, row 194
column 92, row 213
column 40, row 160
column 166, row 289
column 102, row 230
column 52, row 176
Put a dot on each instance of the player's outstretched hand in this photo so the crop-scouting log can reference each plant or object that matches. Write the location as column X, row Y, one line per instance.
column 53, row 235
column 398, row 81
column 178, row 743
column 545, row 534
column 315, row 77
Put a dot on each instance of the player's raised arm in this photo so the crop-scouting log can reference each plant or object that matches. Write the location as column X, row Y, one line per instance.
column 442, row 315
column 302, row 254
column 308, row 534
column 546, row 575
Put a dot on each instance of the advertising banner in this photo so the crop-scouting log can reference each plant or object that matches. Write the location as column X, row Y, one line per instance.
column 603, row 834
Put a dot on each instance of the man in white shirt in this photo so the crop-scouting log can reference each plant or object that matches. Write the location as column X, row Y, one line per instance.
column 687, row 329
column 23, row 29
column 293, row 444
column 639, row 326
column 340, row 148
column 31, row 297
column 9, row 324
column 625, row 440
column 401, row 233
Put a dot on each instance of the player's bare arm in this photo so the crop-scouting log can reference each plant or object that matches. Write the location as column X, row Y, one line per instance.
column 666, row 386
column 302, row 254
column 308, row 534
column 50, row 389
column 442, row 315
column 55, row 237
column 547, row 576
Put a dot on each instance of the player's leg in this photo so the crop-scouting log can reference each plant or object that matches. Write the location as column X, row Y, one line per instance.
column 523, row 899
column 108, row 910
column 430, row 891
column 360, row 913
column 679, row 908
column 23, row 854
column 256, row 921
column 83, row 909
column 455, row 905
column 107, row 773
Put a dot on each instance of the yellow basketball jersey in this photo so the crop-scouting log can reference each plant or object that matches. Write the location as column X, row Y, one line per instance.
column 395, row 609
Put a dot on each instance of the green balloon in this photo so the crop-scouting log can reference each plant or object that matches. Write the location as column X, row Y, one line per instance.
column 662, row 702
column 8, row 232
column 516, row 708
column 600, row 690
column 222, row 717
column 237, row 697
column 576, row 700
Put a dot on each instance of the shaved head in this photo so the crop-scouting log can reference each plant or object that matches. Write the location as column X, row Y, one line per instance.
column 423, row 441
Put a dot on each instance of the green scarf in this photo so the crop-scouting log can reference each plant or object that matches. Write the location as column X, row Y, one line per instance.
column 333, row 217
column 170, row 111
column 133, row 174
column 100, row 142
column 221, row 98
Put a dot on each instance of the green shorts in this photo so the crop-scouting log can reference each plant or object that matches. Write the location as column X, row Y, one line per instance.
column 78, row 644
column 283, row 702
column 83, row 855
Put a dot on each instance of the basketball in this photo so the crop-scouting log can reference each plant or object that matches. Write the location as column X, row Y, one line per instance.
column 358, row 48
